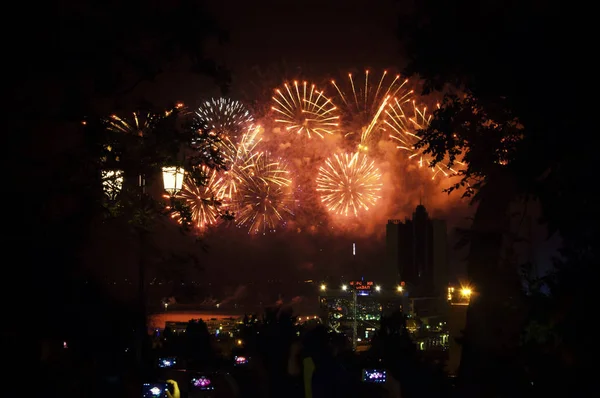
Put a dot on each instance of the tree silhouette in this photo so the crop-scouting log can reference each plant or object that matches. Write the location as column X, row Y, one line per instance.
column 499, row 55
column 95, row 57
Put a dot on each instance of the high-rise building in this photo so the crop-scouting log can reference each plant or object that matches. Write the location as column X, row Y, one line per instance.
column 417, row 253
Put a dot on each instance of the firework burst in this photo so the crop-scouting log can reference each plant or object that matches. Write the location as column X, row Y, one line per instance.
column 240, row 156
column 264, row 195
column 223, row 115
column 139, row 124
column 202, row 199
column 405, row 119
column 364, row 100
column 349, row 184
column 302, row 109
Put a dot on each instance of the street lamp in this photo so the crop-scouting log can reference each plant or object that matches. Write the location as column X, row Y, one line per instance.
column 377, row 288
column 112, row 183
column 173, row 179
column 399, row 289
column 466, row 292
column 323, row 287
column 344, row 287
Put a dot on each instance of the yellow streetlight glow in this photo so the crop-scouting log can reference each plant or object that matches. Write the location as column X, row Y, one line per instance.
column 466, row 292
column 399, row 289
column 323, row 287
column 344, row 287
column 378, row 288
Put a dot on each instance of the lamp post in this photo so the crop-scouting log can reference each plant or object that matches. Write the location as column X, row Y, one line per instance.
column 112, row 185
column 173, row 179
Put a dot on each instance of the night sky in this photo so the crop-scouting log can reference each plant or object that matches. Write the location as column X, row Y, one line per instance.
column 271, row 42
column 315, row 39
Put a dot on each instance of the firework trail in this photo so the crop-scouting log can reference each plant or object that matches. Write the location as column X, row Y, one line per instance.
column 363, row 101
column 264, row 195
column 240, row 157
column 302, row 109
column 349, row 184
column 223, row 115
column 405, row 119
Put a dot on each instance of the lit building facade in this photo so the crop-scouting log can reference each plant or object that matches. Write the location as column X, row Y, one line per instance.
column 337, row 307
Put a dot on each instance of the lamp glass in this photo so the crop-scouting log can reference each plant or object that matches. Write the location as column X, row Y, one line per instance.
column 173, row 179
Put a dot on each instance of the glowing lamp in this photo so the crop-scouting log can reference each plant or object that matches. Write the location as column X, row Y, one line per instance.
column 112, row 183
column 378, row 288
column 344, row 287
column 173, row 179
column 466, row 292
column 323, row 287
column 399, row 289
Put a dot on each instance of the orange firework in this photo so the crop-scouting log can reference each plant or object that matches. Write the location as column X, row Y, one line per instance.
column 201, row 200
column 239, row 157
column 405, row 119
column 264, row 195
column 302, row 109
column 364, row 102
column 140, row 123
column 349, row 184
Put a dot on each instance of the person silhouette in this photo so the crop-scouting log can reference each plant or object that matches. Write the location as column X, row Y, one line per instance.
column 324, row 376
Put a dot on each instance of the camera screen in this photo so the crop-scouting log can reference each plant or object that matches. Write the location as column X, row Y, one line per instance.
column 241, row 360
column 373, row 376
column 167, row 362
column 154, row 390
column 202, row 383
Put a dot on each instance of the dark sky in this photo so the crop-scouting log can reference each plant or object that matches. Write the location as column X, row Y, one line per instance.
column 270, row 42
column 327, row 35
column 310, row 39
column 314, row 39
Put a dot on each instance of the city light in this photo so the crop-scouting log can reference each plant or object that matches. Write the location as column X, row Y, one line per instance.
column 323, row 287
column 344, row 287
column 399, row 289
column 378, row 288
column 466, row 292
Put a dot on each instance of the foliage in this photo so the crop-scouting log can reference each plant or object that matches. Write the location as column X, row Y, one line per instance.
column 168, row 138
column 501, row 55
column 485, row 139
column 83, row 59
column 517, row 124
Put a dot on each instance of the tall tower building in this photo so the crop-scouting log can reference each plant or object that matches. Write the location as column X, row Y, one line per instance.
column 417, row 253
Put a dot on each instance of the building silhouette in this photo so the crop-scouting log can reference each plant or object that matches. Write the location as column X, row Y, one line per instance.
column 417, row 253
